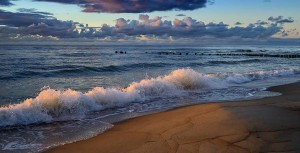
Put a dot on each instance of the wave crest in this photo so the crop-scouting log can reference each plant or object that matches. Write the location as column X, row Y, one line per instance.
column 52, row 105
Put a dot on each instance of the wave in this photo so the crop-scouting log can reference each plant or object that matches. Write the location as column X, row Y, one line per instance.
column 225, row 62
column 56, row 105
column 79, row 54
column 248, row 50
column 236, row 62
column 78, row 70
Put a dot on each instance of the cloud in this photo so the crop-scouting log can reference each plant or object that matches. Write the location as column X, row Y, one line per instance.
column 18, row 19
column 180, row 15
column 33, row 11
column 285, row 33
column 238, row 23
column 133, row 6
column 29, row 22
column 33, row 37
column 190, row 28
column 6, row 3
column 280, row 19
column 259, row 22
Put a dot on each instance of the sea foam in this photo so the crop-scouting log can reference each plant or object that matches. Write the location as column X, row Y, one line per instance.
column 56, row 105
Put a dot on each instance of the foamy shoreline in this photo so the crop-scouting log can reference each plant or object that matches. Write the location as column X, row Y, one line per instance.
column 268, row 124
column 56, row 105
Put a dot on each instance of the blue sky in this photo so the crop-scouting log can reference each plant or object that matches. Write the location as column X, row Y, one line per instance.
column 227, row 11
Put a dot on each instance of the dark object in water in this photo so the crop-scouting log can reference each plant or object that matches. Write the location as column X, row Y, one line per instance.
column 121, row 52
column 164, row 53
column 244, row 50
column 179, row 53
column 116, row 52
column 186, row 53
column 125, row 52
column 262, row 55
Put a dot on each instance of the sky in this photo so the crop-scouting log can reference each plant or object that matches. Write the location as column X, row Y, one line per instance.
column 151, row 21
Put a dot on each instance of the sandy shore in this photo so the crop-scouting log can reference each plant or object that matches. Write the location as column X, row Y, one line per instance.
column 256, row 126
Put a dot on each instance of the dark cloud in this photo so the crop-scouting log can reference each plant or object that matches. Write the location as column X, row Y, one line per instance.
column 238, row 23
column 259, row 22
column 34, row 23
column 180, row 15
column 280, row 19
column 285, row 33
column 5, row 3
column 133, row 6
column 33, row 11
column 18, row 19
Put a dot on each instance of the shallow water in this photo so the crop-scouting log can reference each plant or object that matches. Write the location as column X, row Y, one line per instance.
column 48, row 93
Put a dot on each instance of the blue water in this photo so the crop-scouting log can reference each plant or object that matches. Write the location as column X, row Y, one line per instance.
column 85, row 89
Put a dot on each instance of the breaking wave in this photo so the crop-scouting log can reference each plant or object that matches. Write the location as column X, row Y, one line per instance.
column 54, row 105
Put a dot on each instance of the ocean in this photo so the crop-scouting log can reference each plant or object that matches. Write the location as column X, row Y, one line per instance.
column 56, row 94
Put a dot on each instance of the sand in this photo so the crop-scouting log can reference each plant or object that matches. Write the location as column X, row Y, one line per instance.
column 257, row 126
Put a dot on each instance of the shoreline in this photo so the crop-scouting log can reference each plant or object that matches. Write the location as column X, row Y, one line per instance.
column 270, row 124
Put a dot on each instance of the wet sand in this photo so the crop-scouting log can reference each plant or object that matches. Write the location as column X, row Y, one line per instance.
column 256, row 126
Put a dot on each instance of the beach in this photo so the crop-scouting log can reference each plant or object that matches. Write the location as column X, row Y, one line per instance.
column 80, row 91
column 269, row 124
column 156, row 76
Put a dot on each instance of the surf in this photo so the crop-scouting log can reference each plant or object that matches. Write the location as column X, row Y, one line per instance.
column 60, row 105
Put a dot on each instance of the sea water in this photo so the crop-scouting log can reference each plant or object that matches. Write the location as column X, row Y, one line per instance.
column 52, row 95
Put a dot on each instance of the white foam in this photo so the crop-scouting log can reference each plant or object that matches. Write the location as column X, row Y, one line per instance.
column 16, row 145
column 68, row 104
column 258, row 75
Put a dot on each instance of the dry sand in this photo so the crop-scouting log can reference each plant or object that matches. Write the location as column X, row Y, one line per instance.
column 258, row 126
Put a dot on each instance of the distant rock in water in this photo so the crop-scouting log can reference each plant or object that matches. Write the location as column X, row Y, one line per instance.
column 164, row 53
column 173, row 53
column 120, row 52
column 244, row 50
column 249, row 50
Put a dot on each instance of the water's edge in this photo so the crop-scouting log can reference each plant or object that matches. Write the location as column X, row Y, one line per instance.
column 179, row 107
